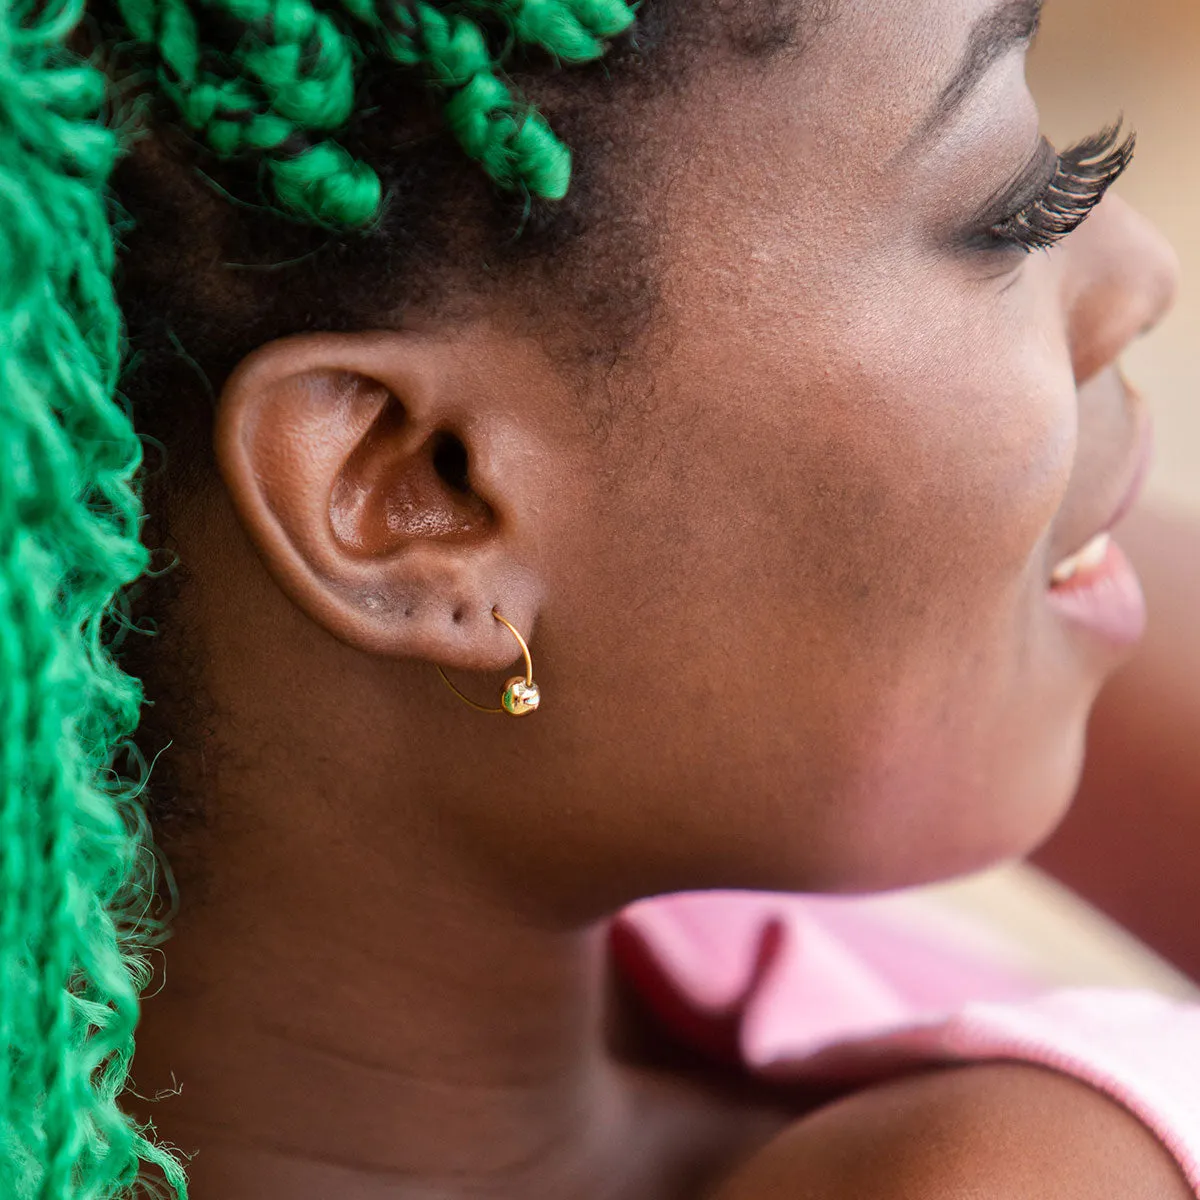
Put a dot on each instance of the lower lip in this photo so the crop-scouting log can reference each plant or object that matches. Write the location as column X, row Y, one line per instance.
column 1107, row 600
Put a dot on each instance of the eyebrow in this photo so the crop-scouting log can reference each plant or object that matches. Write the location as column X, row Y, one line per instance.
column 1013, row 23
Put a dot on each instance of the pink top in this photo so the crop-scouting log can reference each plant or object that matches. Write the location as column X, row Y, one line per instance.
column 841, row 992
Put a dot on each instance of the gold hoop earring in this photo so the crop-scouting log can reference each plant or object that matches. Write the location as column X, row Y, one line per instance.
column 520, row 696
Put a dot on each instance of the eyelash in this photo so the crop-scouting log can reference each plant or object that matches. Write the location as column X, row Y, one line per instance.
column 1078, row 181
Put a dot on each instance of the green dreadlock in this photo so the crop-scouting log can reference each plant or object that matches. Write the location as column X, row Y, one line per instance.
column 290, row 75
column 76, row 875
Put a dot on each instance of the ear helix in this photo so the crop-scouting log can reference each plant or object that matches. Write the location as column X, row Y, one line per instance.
column 520, row 696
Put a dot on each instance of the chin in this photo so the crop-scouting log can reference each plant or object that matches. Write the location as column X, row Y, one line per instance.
column 964, row 830
column 1024, row 816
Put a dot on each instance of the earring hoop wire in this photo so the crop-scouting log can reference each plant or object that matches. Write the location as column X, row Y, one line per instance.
column 521, row 694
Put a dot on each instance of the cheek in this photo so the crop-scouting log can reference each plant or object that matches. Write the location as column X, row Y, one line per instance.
column 903, row 466
column 862, row 511
column 962, row 422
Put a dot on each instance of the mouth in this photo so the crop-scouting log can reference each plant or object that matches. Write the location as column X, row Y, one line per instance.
column 1083, row 563
column 1096, row 587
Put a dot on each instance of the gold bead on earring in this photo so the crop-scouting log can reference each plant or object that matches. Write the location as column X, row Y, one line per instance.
column 520, row 696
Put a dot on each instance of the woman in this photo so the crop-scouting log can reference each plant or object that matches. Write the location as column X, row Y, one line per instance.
column 788, row 461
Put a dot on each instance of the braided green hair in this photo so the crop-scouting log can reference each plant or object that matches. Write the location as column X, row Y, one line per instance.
column 287, row 81
column 272, row 78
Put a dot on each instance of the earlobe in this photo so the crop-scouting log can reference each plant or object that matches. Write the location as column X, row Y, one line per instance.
column 348, row 459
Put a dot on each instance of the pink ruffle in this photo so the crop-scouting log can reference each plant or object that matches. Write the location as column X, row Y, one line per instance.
column 832, row 992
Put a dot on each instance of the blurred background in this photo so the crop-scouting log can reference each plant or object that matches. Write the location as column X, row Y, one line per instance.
column 1094, row 59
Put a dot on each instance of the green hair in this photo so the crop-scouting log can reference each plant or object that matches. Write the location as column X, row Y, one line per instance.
column 267, row 78
column 286, row 80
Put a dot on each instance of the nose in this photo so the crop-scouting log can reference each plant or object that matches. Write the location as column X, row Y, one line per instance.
column 1122, row 278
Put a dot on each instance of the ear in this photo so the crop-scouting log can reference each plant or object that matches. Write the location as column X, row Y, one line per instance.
column 380, row 478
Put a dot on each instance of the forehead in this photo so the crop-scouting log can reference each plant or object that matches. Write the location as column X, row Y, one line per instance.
column 817, row 161
column 815, row 165
column 887, row 63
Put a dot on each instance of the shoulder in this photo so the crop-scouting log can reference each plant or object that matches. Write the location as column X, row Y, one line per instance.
column 994, row 1131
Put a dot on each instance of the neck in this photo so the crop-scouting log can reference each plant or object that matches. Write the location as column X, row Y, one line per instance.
column 368, row 994
column 314, row 1018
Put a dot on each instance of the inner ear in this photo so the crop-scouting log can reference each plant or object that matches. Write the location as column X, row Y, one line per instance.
column 403, row 483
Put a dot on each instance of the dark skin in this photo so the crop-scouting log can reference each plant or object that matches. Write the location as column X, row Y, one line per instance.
column 789, row 620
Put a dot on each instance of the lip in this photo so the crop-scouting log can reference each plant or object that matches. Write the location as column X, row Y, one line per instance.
column 1138, row 461
column 1108, row 600
column 1141, row 472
